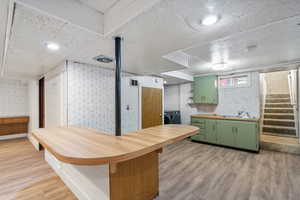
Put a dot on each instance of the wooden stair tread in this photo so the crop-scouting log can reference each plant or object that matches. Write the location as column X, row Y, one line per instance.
column 282, row 120
column 278, row 98
column 279, row 127
column 278, row 103
column 274, row 108
column 279, row 114
column 289, row 135
column 278, row 95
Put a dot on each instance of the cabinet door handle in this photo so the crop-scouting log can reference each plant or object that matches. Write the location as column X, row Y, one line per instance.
column 233, row 129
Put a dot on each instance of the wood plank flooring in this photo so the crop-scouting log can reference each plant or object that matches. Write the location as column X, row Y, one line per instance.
column 188, row 171
column 193, row 171
column 24, row 175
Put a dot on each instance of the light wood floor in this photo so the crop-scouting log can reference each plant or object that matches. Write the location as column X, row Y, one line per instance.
column 279, row 139
column 24, row 175
column 188, row 171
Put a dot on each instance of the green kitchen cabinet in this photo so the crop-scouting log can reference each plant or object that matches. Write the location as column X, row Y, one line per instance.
column 244, row 135
column 233, row 133
column 211, row 131
column 226, row 134
column 205, row 90
column 201, row 136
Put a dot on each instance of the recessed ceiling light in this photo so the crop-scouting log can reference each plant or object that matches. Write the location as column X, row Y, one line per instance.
column 103, row 59
column 210, row 20
column 52, row 46
column 219, row 66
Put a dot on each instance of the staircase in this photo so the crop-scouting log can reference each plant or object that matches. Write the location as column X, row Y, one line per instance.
column 279, row 116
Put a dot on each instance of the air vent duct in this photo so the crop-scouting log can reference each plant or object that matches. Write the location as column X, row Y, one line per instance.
column 103, row 59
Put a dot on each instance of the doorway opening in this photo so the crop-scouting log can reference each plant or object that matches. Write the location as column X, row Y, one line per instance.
column 42, row 103
column 280, row 106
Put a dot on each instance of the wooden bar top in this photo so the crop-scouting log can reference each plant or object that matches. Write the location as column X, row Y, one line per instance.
column 83, row 146
column 212, row 116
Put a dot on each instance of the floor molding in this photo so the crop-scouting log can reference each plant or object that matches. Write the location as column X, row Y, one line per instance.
column 14, row 136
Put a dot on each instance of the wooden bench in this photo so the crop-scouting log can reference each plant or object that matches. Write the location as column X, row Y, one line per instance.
column 13, row 125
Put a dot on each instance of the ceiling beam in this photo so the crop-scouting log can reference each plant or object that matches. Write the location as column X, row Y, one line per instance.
column 85, row 17
column 70, row 11
column 123, row 12
column 179, row 75
column 6, row 14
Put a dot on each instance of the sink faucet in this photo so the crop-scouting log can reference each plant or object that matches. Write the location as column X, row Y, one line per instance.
column 240, row 113
column 243, row 114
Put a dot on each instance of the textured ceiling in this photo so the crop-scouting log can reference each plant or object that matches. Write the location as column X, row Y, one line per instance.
column 167, row 27
column 27, row 54
column 100, row 5
column 263, row 47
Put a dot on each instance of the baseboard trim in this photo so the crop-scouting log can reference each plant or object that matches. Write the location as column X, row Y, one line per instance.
column 14, row 136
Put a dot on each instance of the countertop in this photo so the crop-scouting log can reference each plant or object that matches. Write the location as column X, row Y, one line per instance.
column 83, row 146
column 212, row 116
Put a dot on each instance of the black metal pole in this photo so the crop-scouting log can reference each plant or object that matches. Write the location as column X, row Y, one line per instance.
column 118, row 41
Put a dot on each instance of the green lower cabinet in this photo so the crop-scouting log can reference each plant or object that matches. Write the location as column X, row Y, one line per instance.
column 211, row 131
column 239, row 134
column 245, row 137
column 201, row 136
column 226, row 135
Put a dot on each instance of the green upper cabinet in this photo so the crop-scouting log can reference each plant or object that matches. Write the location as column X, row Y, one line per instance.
column 205, row 90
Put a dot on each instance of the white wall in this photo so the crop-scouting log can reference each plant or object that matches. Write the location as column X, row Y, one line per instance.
column 13, row 98
column 172, row 97
column 33, row 104
column 130, row 106
column 91, row 97
column 91, row 101
column 277, row 82
column 230, row 100
column 84, row 95
column 54, row 94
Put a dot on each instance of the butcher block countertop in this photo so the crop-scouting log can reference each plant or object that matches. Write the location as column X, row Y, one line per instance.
column 212, row 116
column 83, row 146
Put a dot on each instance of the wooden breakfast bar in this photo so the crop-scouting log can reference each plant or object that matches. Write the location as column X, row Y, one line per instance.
column 99, row 166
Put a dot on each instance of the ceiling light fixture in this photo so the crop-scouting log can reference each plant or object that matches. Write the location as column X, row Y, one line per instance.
column 210, row 20
column 219, row 66
column 52, row 46
column 103, row 59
